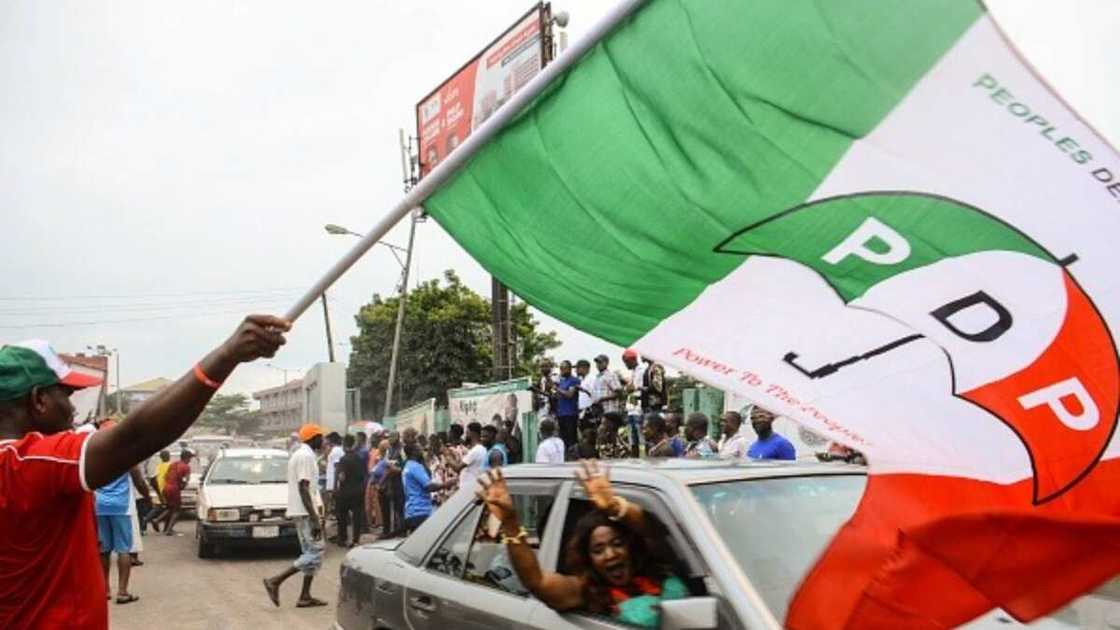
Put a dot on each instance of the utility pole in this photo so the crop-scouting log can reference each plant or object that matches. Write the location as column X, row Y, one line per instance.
column 409, row 181
column 400, row 317
column 505, row 352
column 327, row 323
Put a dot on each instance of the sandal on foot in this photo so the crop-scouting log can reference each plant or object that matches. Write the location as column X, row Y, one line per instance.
column 310, row 603
column 127, row 598
column 273, row 592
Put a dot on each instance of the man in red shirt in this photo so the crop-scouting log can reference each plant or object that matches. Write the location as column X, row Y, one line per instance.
column 177, row 478
column 50, row 571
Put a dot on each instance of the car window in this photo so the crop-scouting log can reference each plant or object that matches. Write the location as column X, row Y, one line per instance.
column 776, row 529
column 670, row 549
column 488, row 562
column 248, row 470
column 473, row 552
column 451, row 555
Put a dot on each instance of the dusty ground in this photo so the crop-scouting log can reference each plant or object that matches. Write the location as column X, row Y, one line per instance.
column 178, row 590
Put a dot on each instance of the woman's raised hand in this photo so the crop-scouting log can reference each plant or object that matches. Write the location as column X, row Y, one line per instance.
column 596, row 484
column 494, row 493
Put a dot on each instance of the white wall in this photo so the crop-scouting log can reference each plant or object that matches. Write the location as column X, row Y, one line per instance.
column 324, row 394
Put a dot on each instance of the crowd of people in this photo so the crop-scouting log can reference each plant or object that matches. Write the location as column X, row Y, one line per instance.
column 388, row 482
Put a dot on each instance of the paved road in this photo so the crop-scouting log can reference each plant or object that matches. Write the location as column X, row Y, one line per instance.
column 178, row 590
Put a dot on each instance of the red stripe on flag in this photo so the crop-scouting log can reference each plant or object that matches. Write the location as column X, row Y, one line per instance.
column 1081, row 355
column 925, row 551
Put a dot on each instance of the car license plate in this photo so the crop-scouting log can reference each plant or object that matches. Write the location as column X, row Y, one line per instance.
column 266, row 531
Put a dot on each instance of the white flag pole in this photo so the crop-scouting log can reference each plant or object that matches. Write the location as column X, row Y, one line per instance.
column 464, row 152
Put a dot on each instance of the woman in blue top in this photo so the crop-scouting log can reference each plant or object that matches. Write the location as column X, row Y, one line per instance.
column 418, row 487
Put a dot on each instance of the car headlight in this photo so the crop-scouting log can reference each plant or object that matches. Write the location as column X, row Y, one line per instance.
column 222, row 515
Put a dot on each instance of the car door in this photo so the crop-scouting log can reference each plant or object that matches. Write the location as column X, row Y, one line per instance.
column 688, row 561
column 467, row 581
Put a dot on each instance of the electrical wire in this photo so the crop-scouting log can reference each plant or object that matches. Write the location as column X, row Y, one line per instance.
column 135, row 306
column 135, row 319
column 148, row 295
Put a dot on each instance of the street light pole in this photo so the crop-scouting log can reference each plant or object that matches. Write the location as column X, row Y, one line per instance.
column 118, row 382
column 327, row 323
column 400, row 318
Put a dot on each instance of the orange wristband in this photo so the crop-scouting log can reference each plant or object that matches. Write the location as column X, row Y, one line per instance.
column 205, row 380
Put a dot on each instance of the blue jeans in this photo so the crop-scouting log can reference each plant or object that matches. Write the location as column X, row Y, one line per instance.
column 311, row 548
column 635, row 421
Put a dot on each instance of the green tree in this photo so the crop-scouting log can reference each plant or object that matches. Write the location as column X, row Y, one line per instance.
column 446, row 341
column 531, row 345
column 229, row 412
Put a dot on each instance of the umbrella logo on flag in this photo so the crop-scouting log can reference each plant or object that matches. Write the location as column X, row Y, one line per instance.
column 1023, row 341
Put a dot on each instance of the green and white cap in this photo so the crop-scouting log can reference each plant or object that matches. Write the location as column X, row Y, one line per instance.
column 33, row 363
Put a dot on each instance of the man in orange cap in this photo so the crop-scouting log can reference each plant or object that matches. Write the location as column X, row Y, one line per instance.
column 50, row 570
column 305, row 508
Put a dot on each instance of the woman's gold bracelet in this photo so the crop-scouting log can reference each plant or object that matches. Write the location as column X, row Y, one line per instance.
column 520, row 539
column 620, row 511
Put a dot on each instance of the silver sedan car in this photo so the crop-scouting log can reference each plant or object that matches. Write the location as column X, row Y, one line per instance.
column 743, row 535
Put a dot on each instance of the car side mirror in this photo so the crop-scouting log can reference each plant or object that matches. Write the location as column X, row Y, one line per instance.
column 691, row 613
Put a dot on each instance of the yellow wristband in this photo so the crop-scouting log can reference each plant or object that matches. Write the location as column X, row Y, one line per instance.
column 520, row 539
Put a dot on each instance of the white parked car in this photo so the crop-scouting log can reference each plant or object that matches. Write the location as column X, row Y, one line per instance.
column 242, row 501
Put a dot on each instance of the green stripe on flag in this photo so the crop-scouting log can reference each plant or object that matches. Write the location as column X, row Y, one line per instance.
column 602, row 203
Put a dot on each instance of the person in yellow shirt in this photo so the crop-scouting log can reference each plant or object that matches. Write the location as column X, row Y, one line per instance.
column 157, row 479
column 161, row 471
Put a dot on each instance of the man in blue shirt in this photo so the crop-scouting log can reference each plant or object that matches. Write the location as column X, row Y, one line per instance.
column 769, row 445
column 418, row 488
column 567, row 404
column 496, row 453
column 114, row 526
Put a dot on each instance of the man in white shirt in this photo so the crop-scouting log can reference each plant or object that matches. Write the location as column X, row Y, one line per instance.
column 583, row 371
column 606, row 388
column 736, row 439
column 334, row 454
column 634, row 398
column 551, row 449
column 305, row 508
column 471, row 465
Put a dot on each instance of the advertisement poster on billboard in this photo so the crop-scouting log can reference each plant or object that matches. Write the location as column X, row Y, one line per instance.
column 484, row 403
column 452, row 111
column 89, row 403
column 421, row 416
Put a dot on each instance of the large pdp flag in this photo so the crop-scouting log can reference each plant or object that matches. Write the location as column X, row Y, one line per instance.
column 869, row 216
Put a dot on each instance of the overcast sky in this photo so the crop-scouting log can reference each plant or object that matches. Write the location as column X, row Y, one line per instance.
column 165, row 170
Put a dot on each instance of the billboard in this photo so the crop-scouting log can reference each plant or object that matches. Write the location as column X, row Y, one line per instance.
column 481, row 403
column 89, row 404
column 446, row 116
column 421, row 416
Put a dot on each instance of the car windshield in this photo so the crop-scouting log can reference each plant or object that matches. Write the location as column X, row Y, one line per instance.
column 776, row 528
column 249, row 470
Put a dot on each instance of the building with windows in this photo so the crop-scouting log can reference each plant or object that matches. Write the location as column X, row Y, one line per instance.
column 281, row 407
column 133, row 395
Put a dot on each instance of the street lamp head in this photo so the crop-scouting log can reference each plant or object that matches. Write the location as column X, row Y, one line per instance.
column 331, row 228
